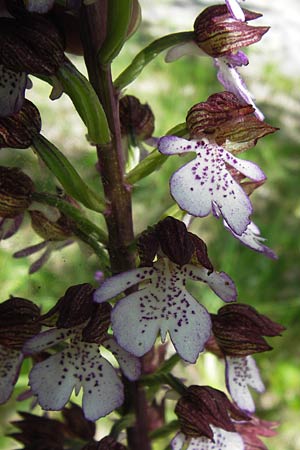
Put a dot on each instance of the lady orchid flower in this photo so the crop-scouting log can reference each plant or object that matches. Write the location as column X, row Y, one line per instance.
column 220, row 32
column 161, row 305
column 205, row 184
column 82, row 329
column 207, row 421
column 239, row 330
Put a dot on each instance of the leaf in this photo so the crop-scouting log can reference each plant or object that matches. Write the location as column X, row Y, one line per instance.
column 69, row 178
column 86, row 102
column 118, row 20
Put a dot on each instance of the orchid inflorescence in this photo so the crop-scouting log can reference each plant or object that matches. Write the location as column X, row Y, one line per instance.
column 113, row 351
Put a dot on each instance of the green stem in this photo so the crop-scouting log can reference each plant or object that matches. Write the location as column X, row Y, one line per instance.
column 148, row 54
column 118, row 215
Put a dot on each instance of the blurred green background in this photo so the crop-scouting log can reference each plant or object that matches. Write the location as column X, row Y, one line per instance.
column 270, row 286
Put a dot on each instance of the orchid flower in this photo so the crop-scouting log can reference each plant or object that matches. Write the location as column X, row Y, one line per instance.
column 241, row 373
column 162, row 304
column 80, row 364
column 220, row 32
column 205, row 184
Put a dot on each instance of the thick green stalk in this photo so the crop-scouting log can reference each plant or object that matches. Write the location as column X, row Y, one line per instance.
column 118, row 214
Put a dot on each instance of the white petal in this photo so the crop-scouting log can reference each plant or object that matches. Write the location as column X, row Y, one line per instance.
column 190, row 194
column 186, row 49
column 173, row 145
column 178, row 441
column 10, row 363
column 241, row 373
column 130, row 365
column 191, row 329
column 46, row 339
column 247, row 168
column 53, row 380
column 235, row 10
column 219, row 282
column 251, row 238
column 102, row 389
column 118, row 283
column 12, row 91
column 39, row 6
column 224, row 440
column 233, row 82
column 135, row 322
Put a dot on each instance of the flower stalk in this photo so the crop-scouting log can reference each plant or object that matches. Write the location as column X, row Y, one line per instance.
column 118, row 213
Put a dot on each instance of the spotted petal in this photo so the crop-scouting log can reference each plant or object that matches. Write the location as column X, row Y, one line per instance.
column 178, row 441
column 118, row 283
column 130, row 365
column 173, row 145
column 189, row 327
column 10, row 363
column 135, row 323
column 251, row 238
column 219, row 282
column 12, row 91
column 223, row 440
column 102, row 389
column 53, row 380
column 47, row 339
column 241, row 373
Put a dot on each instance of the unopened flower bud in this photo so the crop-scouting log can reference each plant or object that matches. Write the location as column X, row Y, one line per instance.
column 202, row 406
column 38, row 432
column 18, row 130
column 15, row 191
column 239, row 330
column 59, row 230
column 218, row 34
column 136, row 119
column 77, row 424
column 19, row 321
column 74, row 308
column 107, row 443
column 189, row 248
column 219, row 108
column 96, row 329
column 227, row 120
column 31, row 44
